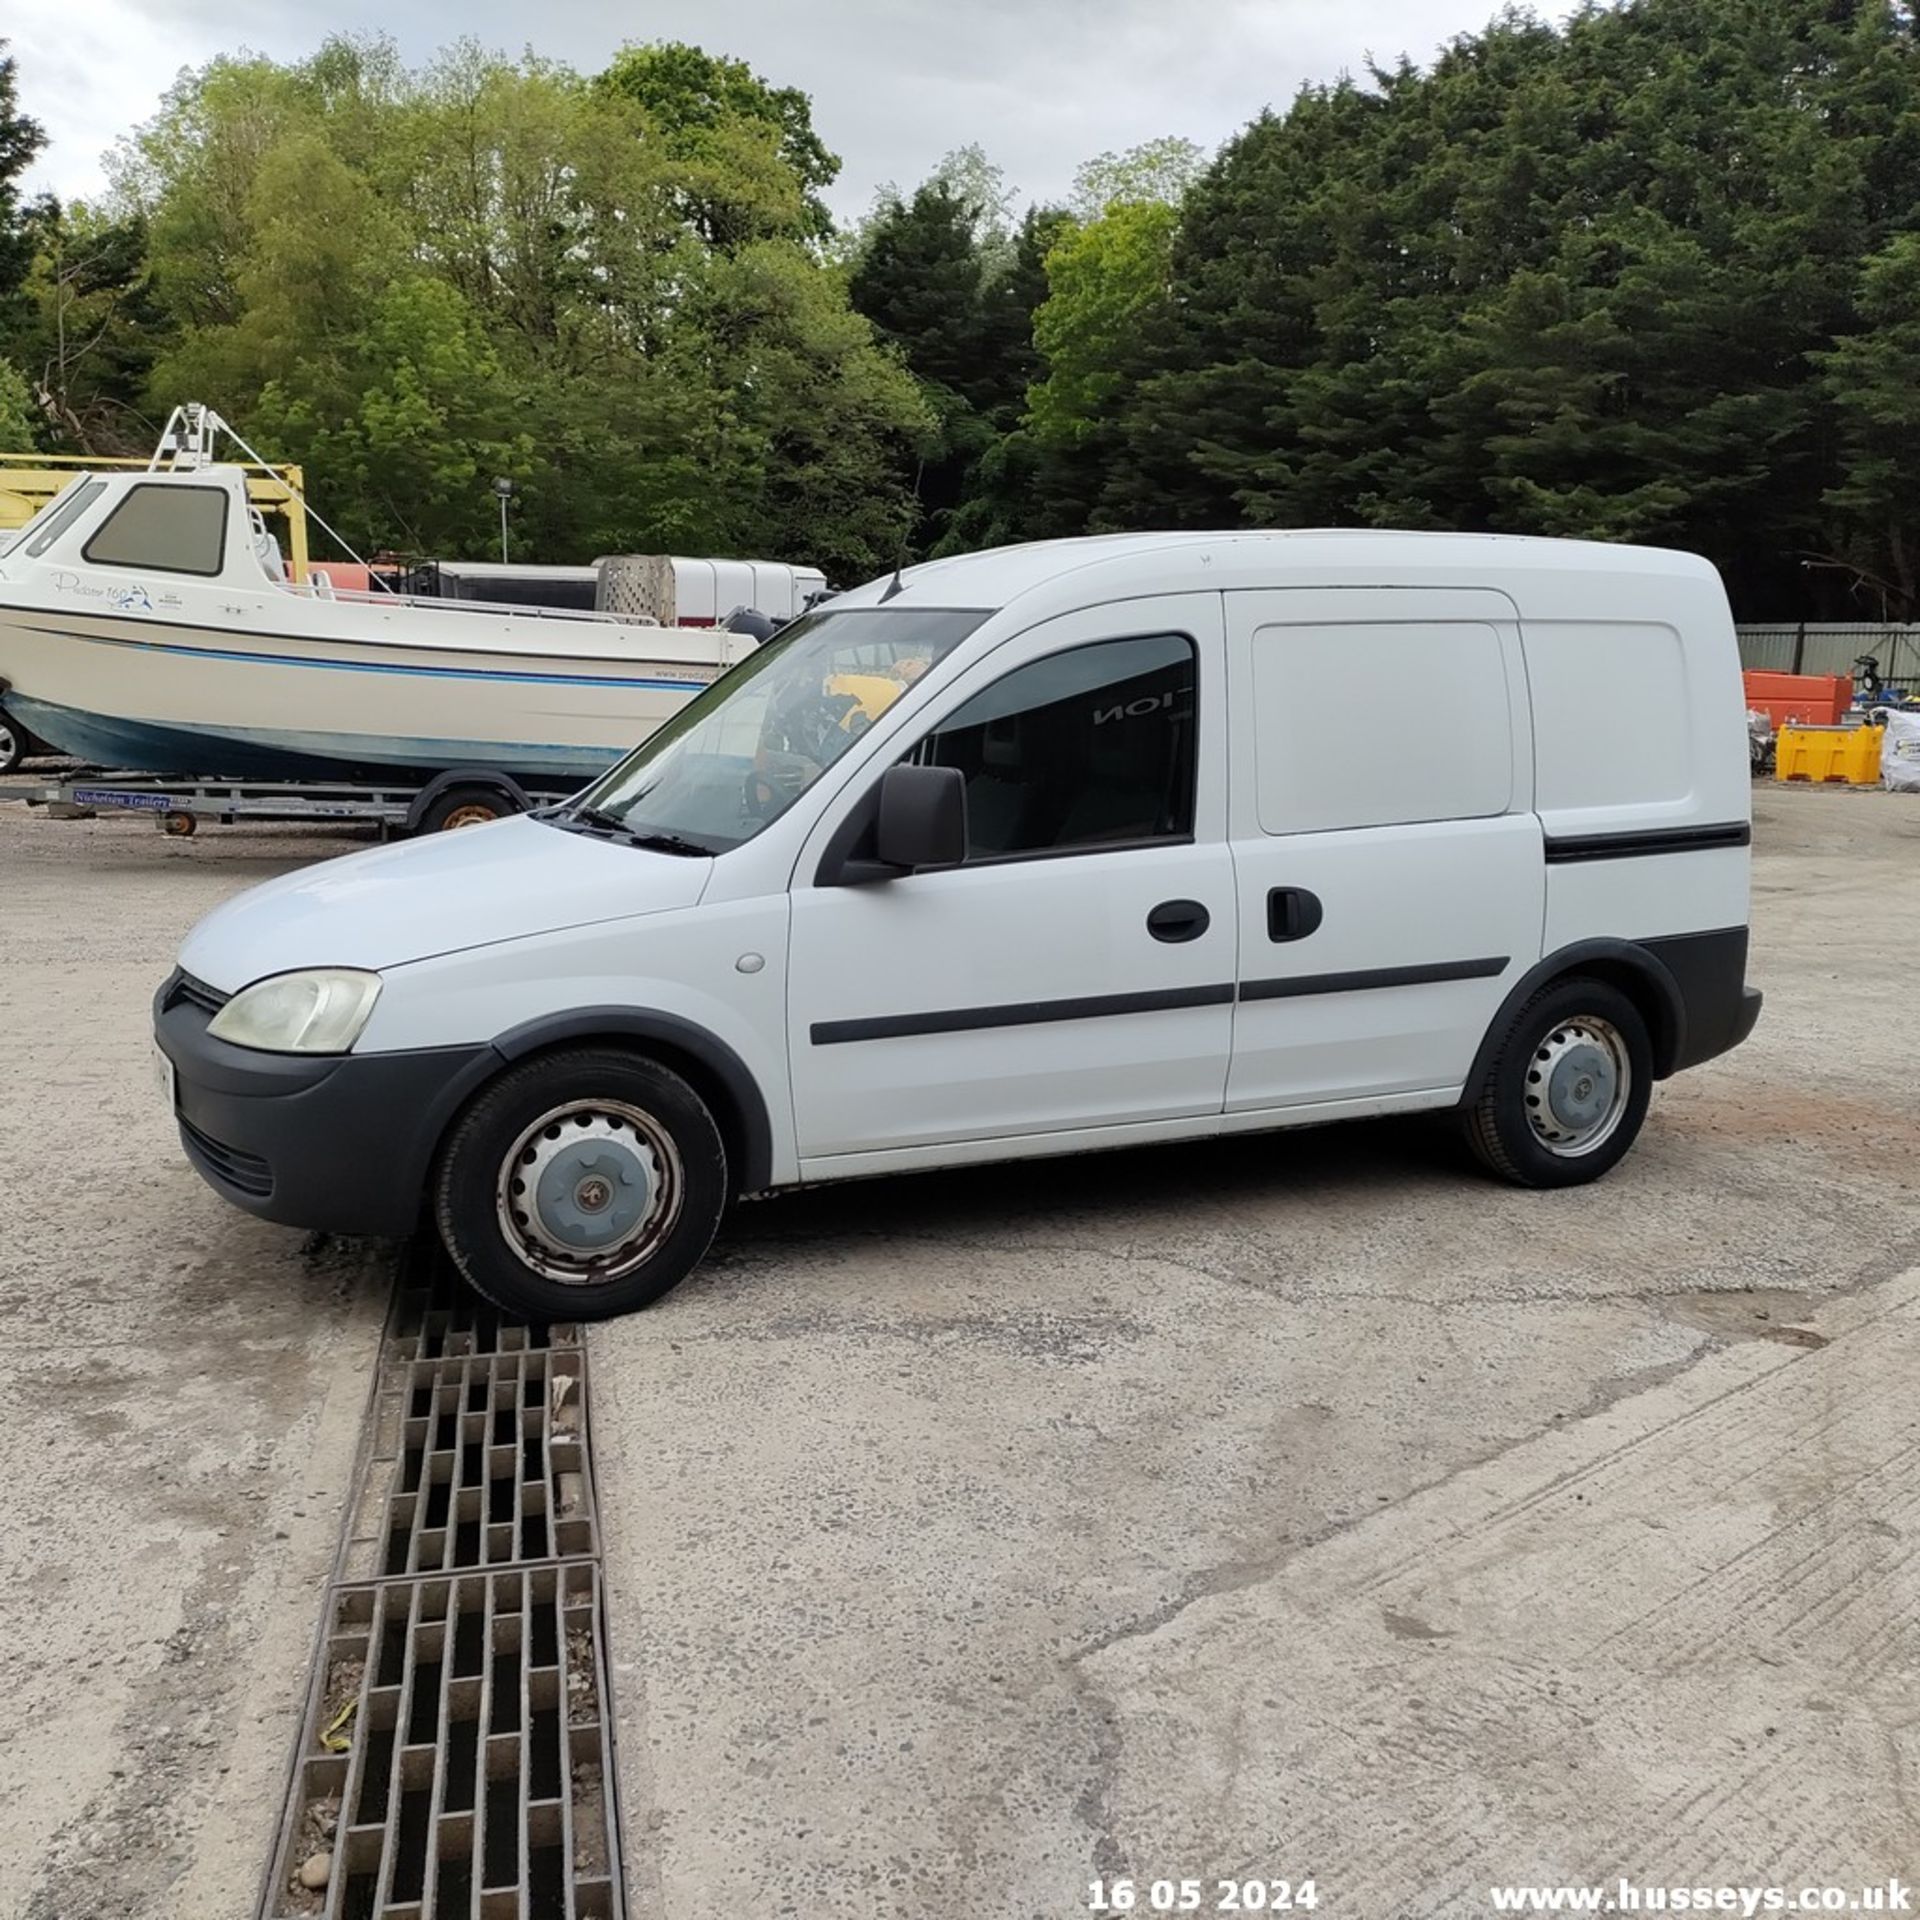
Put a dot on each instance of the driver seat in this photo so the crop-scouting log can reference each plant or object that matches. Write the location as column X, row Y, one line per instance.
column 997, row 797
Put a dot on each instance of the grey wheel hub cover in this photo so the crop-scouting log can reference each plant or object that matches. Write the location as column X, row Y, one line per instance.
column 589, row 1191
column 593, row 1193
column 1581, row 1087
column 1577, row 1085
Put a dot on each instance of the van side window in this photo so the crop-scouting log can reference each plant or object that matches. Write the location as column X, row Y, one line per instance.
column 164, row 528
column 1088, row 748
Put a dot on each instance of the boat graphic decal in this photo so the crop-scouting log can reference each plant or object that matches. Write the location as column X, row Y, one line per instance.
column 133, row 597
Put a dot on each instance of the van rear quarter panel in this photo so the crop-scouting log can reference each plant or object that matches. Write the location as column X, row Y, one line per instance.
column 1639, row 723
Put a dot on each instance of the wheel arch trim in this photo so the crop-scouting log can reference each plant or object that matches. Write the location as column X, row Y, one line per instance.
column 493, row 778
column 1623, row 963
column 746, row 1124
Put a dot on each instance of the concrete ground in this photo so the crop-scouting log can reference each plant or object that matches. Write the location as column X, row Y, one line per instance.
column 1308, row 1506
column 181, row 1394
column 1298, row 1507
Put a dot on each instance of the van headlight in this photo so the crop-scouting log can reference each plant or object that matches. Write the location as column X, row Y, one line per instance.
column 319, row 1011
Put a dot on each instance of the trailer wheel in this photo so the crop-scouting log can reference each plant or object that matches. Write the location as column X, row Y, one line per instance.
column 13, row 743
column 465, row 807
column 179, row 826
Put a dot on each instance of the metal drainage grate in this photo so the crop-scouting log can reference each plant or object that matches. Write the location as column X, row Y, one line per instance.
column 474, row 1462
column 475, row 1784
column 456, row 1757
column 437, row 1315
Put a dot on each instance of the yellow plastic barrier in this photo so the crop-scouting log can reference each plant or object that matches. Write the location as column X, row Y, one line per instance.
column 1849, row 755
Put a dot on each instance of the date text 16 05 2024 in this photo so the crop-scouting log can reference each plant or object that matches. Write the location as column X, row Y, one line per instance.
column 1206, row 1895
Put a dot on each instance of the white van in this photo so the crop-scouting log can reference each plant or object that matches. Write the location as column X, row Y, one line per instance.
column 1074, row 845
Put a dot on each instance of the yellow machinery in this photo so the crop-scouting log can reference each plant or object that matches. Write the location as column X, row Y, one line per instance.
column 29, row 480
column 875, row 692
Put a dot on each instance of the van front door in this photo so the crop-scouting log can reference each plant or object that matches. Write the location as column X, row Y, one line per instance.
column 1075, row 974
column 1388, row 862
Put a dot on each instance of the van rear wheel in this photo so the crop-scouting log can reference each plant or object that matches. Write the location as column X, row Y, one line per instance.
column 1568, row 1090
column 581, row 1185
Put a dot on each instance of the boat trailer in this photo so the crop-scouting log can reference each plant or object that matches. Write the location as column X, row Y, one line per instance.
column 459, row 797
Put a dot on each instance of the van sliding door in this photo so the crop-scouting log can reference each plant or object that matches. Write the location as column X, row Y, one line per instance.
column 1388, row 863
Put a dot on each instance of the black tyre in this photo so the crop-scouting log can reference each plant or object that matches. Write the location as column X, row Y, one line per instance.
column 581, row 1185
column 1568, row 1089
column 469, row 806
column 14, row 743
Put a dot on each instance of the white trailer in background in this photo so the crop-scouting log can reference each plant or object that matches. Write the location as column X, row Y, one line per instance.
column 704, row 591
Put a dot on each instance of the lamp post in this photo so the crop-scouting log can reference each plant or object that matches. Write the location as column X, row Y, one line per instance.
column 504, row 491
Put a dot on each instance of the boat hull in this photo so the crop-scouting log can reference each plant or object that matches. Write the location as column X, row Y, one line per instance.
column 168, row 697
column 289, row 754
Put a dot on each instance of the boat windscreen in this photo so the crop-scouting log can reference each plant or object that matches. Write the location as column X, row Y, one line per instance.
column 54, row 518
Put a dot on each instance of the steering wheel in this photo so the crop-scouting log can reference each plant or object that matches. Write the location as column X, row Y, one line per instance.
column 775, row 781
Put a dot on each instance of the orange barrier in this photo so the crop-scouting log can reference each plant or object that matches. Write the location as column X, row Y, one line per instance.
column 1799, row 699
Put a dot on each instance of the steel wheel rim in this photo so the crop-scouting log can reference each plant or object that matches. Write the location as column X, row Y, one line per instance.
column 1577, row 1086
column 13, row 745
column 476, row 813
column 589, row 1191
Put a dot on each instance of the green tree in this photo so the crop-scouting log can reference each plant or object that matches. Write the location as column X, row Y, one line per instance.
column 1566, row 280
column 919, row 281
column 416, row 281
column 810, row 440
column 1107, row 274
column 752, row 165
column 1872, row 379
column 1107, row 281
column 407, row 426
column 92, row 330
column 1010, row 360
column 1156, row 172
column 20, row 140
column 16, row 410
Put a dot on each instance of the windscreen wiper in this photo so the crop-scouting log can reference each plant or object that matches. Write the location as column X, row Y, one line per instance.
column 598, row 818
column 670, row 843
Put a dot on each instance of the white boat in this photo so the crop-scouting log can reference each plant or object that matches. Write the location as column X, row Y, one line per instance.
column 146, row 622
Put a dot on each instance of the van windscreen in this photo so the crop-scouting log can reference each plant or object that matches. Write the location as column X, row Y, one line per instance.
column 731, row 762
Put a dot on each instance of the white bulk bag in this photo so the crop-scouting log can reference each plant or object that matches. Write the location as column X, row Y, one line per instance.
column 1900, row 752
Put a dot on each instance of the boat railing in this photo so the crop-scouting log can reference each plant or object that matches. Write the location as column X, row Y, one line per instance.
column 310, row 589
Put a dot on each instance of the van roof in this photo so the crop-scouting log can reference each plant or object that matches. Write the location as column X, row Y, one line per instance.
column 1121, row 564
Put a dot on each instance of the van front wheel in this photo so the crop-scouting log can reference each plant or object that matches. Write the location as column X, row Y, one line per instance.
column 581, row 1185
column 1567, row 1091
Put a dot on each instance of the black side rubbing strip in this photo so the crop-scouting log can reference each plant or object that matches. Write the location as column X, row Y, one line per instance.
column 1643, row 841
column 1026, row 1013
column 1370, row 977
column 1033, row 1013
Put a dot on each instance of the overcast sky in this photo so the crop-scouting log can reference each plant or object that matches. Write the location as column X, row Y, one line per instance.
column 1041, row 84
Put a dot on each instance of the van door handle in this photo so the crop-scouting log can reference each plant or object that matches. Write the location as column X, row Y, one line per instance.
column 1177, row 920
column 1292, row 913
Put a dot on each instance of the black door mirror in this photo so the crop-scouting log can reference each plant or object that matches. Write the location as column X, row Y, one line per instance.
column 923, row 818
